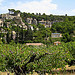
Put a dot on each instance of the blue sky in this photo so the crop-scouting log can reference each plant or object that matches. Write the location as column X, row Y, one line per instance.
column 56, row 7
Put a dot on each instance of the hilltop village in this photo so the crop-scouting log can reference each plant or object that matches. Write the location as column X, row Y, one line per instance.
column 23, row 27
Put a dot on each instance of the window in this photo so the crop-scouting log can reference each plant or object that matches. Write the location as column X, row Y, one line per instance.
column 56, row 43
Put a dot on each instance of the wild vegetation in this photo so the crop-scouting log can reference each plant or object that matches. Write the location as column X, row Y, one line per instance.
column 23, row 59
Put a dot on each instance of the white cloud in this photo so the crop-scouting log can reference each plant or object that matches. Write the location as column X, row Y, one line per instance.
column 70, row 12
column 42, row 6
column 35, row 6
column 1, row 1
column 73, row 10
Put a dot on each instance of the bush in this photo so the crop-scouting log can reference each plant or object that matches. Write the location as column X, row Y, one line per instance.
column 21, row 59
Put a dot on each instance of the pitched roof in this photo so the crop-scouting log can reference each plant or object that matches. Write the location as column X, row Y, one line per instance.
column 34, row 44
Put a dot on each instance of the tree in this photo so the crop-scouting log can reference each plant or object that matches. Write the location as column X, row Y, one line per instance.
column 65, row 14
column 39, row 14
column 17, row 34
column 63, row 27
column 11, row 10
column 43, row 14
column 29, row 35
column 1, row 41
column 66, row 19
column 67, row 38
column 8, row 37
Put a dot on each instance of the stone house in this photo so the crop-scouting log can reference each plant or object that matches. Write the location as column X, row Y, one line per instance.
column 8, row 24
column 23, row 24
column 11, row 12
column 13, row 35
column 34, row 44
column 29, row 20
column 45, row 23
column 57, row 43
column 34, row 21
column 31, row 27
column 42, row 22
column 11, row 15
column 56, row 35
column 2, row 31
column 48, row 24
column 7, row 16
column 25, row 27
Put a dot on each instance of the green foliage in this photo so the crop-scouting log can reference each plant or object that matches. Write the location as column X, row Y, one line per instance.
column 71, row 47
column 12, row 42
column 1, row 35
column 67, row 38
column 63, row 27
column 56, row 39
column 8, row 20
column 66, row 19
column 29, row 35
column 21, row 59
column 39, row 17
column 1, row 41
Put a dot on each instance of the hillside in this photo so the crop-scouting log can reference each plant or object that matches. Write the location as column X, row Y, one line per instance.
column 29, row 27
